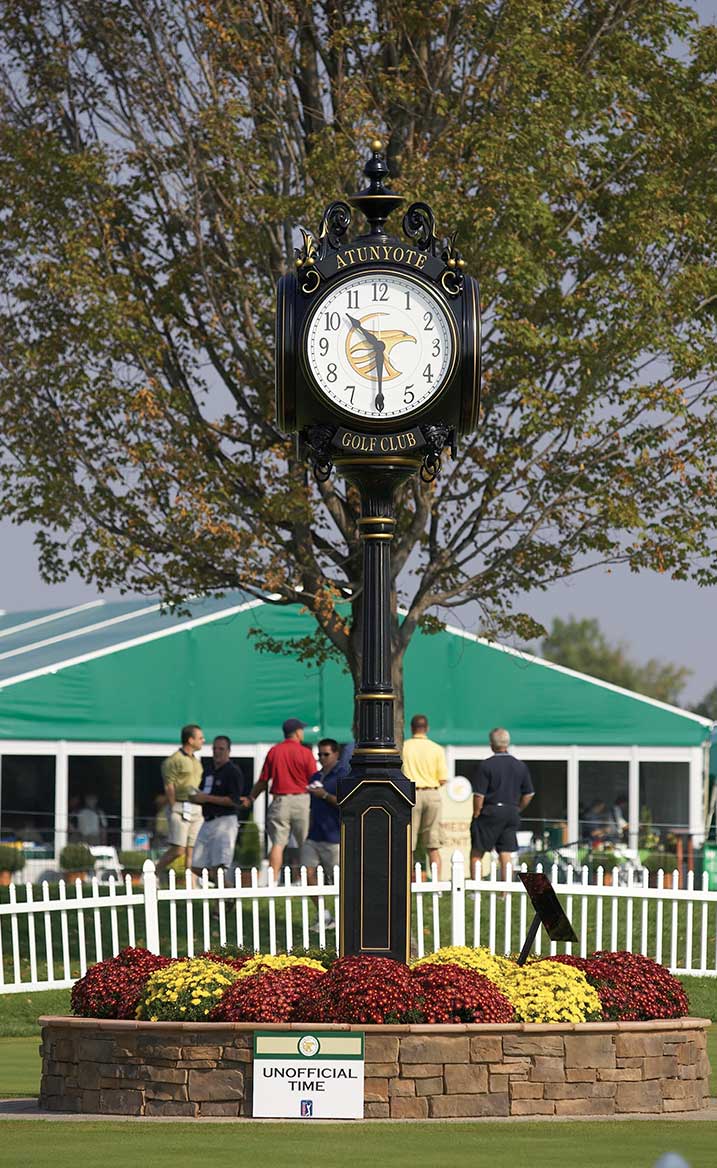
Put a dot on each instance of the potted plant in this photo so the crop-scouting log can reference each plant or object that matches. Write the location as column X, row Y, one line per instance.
column 653, row 861
column 133, row 862
column 12, row 859
column 76, row 860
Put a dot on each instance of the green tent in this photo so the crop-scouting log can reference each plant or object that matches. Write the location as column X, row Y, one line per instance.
column 114, row 672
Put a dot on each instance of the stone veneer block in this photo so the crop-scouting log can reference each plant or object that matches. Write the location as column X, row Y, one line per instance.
column 180, row 1069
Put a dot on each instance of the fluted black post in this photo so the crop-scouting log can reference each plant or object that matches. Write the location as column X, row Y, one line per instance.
column 376, row 798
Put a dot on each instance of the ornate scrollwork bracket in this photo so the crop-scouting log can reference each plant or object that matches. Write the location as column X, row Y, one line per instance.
column 317, row 442
column 419, row 225
column 334, row 225
column 306, row 257
column 452, row 278
column 437, row 438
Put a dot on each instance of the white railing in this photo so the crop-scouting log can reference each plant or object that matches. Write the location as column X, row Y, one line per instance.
column 47, row 943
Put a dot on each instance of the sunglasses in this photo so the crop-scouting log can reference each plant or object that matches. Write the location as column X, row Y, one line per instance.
column 325, row 753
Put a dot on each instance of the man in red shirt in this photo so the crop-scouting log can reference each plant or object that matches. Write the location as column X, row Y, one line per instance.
column 288, row 769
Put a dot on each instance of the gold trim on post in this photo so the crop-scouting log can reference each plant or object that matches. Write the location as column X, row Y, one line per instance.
column 373, row 783
column 377, row 807
column 409, row 857
column 375, row 535
column 372, row 519
column 370, row 697
column 389, row 460
column 376, row 750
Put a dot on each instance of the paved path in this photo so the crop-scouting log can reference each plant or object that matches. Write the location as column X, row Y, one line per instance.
column 28, row 1109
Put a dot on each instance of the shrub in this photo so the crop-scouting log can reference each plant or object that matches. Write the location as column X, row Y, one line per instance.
column 263, row 961
column 270, row 996
column 186, row 991
column 247, row 853
column 544, row 991
column 76, row 858
column 632, row 988
column 453, row 993
column 12, row 859
column 133, row 861
column 364, row 989
column 480, row 960
column 112, row 988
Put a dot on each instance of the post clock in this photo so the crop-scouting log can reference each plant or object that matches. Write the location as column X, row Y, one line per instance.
column 377, row 371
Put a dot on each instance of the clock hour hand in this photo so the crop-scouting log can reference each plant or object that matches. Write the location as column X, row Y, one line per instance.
column 372, row 340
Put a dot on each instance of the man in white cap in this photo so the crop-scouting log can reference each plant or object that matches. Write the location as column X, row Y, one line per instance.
column 288, row 769
column 502, row 789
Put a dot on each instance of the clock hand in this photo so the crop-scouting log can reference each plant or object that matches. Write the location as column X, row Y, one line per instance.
column 379, row 374
column 372, row 340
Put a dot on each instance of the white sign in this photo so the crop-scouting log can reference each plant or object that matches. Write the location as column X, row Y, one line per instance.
column 315, row 1074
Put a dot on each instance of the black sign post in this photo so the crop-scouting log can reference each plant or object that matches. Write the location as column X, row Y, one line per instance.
column 377, row 370
column 548, row 912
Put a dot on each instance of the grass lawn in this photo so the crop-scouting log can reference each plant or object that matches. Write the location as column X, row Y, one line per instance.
column 542, row 1145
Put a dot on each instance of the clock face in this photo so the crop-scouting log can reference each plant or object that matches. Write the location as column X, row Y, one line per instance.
column 380, row 345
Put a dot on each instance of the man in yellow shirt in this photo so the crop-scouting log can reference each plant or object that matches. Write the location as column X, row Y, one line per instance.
column 424, row 762
column 182, row 775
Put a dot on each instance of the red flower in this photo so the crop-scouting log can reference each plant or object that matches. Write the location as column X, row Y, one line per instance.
column 224, row 959
column 112, row 988
column 632, row 988
column 269, row 996
column 452, row 993
column 362, row 989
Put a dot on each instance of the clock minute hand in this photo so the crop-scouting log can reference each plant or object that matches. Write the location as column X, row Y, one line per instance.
column 379, row 373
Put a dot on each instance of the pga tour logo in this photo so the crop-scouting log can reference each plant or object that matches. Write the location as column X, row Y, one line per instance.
column 307, row 1108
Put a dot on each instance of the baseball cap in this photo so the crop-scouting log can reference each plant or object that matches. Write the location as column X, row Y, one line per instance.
column 292, row 724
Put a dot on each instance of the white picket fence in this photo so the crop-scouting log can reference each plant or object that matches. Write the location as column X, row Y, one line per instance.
column 47, row 943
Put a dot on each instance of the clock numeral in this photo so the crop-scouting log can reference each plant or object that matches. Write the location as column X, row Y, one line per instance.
column 331, row 372
column 323, row 346
column 352, row 296
column 408, row 395
column 353, row 391
column 380, row 291
column 436, row 347
column 428, row 326
column 428, row 373
column 333, row 320
column 408, row 300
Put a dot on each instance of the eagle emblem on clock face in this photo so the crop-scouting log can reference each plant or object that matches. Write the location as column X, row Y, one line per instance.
column 362, row 355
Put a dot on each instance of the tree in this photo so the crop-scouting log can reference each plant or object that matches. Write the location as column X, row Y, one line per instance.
column 581, row 645
column 707, row 707
column 154, row 157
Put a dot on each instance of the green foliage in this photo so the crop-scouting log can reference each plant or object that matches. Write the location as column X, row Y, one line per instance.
column 581, row 645
column 708, row 706
column 153, row 161
column 76, row 858
column 247, row 853
column 11, row 859
column 133, row 861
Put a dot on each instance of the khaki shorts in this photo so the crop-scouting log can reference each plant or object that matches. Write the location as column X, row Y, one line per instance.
column 183, row 832
column 426, row 818
column 320, row 854
column 287, row 815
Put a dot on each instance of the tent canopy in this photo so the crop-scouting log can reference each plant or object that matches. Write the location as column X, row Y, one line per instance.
column 128, row 671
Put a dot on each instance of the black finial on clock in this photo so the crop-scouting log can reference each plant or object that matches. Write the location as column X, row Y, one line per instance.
column 377, row 201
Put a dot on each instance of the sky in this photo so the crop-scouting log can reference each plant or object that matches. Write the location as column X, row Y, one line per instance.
column 653, row 615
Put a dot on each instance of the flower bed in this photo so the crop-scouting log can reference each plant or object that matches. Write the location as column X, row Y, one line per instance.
column 462, row 1032
column 456, row 984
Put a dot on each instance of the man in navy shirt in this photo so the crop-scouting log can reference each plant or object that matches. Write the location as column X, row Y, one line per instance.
column 321, row 846
column 502, row 789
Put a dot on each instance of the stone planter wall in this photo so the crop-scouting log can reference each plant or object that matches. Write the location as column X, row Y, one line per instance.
column 412, row 1072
